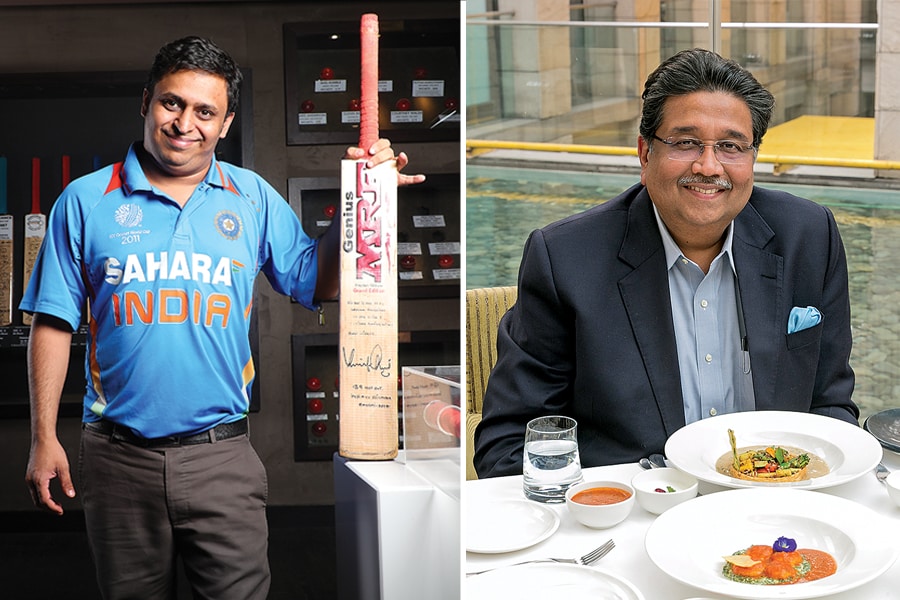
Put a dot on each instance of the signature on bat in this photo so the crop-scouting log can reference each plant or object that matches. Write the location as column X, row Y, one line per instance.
column 372, row 362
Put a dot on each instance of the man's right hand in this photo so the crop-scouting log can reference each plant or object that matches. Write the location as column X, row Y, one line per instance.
column 47, row 461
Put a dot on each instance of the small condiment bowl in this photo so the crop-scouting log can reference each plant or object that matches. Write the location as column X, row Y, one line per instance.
column 601, row 516
column 892, row 482
column 647, row 484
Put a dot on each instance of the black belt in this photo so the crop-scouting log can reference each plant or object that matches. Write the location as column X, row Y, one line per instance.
column 217, row 433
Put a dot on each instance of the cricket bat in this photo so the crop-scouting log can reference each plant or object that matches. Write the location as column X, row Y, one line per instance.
column 368, row 302
column 35, row 228
column 6, row 251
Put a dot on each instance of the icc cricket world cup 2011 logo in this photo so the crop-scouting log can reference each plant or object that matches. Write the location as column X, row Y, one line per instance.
column 365, row 230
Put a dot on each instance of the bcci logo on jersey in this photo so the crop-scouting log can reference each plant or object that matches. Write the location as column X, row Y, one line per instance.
column 228, row 224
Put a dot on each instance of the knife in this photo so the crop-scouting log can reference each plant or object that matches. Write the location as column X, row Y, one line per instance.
column 881, row 472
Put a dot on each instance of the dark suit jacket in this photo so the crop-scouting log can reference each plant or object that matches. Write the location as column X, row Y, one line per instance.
column 591, row 333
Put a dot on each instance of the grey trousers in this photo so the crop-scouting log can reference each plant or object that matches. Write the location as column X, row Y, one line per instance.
column 146, row 507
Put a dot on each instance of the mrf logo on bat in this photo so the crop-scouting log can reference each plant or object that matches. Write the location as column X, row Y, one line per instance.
column 364, row 213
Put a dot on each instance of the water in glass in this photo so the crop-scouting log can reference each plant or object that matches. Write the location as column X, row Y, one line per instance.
column 551, row 463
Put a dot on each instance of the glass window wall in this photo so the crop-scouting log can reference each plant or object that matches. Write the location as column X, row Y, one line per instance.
column 578, row 80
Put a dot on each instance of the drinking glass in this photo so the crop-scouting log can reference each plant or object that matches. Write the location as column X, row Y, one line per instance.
column 551, row 463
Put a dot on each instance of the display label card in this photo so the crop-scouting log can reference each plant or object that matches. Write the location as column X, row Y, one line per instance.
column 315, row 394
column 386, row 85
column 414, row 248
column 331, row 85
column 429, row 221
column 428, row 88
column 444, row 248
column 312, row 119
column 319, row 417
column 323, row 223
column 445, row 274
column 410, row 275
column 406, row 116
column 6, row 227
column 350, row 116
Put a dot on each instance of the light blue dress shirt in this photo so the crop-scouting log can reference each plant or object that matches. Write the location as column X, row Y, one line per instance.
column 715, row 370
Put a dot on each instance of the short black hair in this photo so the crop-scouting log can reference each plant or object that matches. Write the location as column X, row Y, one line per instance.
column 195, row 53
column 700, row 70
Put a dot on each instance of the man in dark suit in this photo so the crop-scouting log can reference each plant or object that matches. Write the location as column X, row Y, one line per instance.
column 691, row 294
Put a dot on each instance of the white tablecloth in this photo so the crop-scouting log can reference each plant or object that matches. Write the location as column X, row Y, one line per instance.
column 630, row 560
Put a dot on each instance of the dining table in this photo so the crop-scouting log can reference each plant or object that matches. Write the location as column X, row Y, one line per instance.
column 630, row 560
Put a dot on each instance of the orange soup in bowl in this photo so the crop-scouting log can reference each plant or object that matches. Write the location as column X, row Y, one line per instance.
column 601, row 495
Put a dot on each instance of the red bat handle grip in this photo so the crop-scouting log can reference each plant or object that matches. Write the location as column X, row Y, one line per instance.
column 35, row 186
column 66, row 170
column 368, row 114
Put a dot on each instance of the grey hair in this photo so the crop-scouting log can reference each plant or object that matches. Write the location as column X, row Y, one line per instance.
column 700, row 70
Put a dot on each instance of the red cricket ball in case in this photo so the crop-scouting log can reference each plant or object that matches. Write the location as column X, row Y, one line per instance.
column 327, row 73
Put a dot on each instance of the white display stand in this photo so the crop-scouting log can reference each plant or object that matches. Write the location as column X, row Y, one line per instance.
column 398, row 528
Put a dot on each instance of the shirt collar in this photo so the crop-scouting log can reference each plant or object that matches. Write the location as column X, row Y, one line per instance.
column 674, row 253
column 135, row 179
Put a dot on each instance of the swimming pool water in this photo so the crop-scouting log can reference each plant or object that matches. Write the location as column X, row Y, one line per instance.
column 504, row 204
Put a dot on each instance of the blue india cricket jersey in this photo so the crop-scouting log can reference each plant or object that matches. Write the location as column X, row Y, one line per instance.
column 170, row 290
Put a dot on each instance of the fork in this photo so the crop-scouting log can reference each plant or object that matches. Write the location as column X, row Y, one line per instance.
column 588, row 559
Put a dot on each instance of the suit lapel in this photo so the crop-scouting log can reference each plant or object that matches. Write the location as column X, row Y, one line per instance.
column 645, row 295
column 760, row 276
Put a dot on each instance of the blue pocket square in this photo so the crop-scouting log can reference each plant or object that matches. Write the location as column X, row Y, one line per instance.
column 803, row 318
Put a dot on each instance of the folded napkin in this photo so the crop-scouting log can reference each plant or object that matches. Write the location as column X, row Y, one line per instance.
column 803, row 318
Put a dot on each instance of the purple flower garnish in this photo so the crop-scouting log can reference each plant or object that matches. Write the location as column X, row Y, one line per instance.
column 784, row 544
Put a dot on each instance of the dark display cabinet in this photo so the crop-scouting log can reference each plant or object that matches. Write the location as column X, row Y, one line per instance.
column 418, row 81
column 316, row 369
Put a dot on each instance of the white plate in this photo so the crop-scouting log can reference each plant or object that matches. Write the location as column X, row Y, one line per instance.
column 849, row 451
column 861, row 541
column 568, row 582
column 508, row 525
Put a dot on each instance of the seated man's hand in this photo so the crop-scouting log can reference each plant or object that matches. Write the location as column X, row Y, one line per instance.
column 380, row 152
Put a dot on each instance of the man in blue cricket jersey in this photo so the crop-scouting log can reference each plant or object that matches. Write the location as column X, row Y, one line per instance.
column 165, row 247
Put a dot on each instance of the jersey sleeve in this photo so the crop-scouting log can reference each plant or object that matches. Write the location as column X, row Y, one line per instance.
column 288, row 255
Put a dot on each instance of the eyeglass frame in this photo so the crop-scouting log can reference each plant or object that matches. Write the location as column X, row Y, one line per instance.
column 745, row 150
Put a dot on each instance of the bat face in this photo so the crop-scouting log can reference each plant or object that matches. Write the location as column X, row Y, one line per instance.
column 368, row 312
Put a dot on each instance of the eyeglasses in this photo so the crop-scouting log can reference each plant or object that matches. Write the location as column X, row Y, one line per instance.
column 690, row 149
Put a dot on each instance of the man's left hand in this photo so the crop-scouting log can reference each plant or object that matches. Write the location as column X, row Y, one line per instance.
column 380, row 152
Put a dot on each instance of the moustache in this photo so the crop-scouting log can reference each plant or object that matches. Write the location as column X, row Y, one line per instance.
column 697, row 179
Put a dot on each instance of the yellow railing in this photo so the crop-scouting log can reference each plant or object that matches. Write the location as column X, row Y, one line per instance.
column 779, row 160
column 545, row 147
